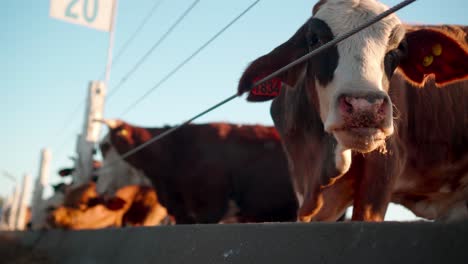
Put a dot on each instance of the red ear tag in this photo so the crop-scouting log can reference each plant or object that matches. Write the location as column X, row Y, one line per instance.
column 269, row 88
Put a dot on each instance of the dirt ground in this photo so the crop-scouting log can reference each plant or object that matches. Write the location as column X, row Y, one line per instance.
column 11, row 252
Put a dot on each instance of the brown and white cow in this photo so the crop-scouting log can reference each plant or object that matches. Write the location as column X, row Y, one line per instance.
column 212, row 172
column 132, row 205
column 117, row 173
column 350, row 136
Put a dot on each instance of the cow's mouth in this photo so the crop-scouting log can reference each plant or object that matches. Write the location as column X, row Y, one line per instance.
column 361, row 139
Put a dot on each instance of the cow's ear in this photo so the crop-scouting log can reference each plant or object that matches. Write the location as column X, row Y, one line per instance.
column 432, row 52
column 284, row 54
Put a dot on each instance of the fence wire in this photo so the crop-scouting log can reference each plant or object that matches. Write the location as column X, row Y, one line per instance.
column 151, row 50
column 184, row 62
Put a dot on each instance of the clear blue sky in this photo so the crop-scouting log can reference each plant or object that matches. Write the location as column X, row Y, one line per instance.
column 46, row 65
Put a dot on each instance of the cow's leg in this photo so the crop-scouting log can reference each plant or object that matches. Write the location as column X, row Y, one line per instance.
column 333, row 166
column 184, row 219
column 313, row 202
column 336, row 199
column 375, row 185
column 304, row 174
column 180, row 212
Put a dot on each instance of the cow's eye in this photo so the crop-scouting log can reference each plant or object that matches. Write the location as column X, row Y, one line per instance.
column 392, row 59
column 402, row 49
column 313, row 40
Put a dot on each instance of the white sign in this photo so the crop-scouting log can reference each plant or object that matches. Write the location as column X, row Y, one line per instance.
column 95, row 14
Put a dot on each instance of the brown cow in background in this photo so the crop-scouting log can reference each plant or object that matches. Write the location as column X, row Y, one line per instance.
column 209, row 172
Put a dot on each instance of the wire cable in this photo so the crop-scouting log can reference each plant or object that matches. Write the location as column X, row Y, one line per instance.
column 184, row 62
column 150, row 51
column 67, row 122
column 135, row 33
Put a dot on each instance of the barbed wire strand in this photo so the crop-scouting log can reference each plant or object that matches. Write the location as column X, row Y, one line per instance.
column 67, row 122
column 151, row 50
column 135, row 34
column 189, row 58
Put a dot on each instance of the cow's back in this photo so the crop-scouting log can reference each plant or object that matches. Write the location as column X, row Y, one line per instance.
column 245, row 164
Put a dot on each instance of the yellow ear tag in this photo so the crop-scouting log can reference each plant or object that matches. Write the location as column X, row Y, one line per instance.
column 437, row 50
column 427, row 61
column 123, row 133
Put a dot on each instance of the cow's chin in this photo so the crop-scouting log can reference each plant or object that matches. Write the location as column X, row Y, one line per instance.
column 362, row 140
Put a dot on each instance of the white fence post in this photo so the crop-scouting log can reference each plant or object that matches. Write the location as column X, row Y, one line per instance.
column 23, row 202
column 14, row 208
column 41, row 182
column 5, row 208
column 90, row 135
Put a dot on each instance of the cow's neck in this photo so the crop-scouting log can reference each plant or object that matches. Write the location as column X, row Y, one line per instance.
column 310, row 150
column 298, row 120
column 156, row 160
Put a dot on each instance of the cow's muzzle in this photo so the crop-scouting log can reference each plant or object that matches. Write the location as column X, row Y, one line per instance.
column 363, row 120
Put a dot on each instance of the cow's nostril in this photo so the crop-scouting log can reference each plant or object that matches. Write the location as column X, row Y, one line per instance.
column 346, row 104
column 371, row 102
column 382, row 106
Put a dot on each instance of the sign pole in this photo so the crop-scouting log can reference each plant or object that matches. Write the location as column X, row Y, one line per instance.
column 101, row 16
column 111, row 43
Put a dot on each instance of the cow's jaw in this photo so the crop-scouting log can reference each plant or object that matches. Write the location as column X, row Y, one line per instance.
column 359, row 75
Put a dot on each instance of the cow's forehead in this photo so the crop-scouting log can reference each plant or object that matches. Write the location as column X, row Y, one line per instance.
column 361, row 56
column 344, row 15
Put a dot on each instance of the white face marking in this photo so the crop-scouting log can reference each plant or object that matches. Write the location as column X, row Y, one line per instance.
column 361, row 57
column 342, row 159
column 118, row 174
